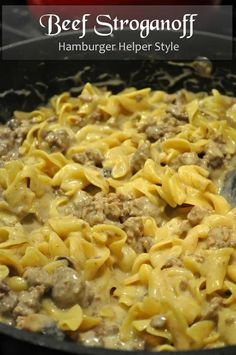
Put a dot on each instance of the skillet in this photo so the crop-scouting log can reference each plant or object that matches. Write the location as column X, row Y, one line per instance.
column 26, row 84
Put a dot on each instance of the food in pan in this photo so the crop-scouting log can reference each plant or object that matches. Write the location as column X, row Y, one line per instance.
column 113, row 231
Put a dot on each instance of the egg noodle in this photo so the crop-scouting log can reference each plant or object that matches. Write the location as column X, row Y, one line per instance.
column 115, row 199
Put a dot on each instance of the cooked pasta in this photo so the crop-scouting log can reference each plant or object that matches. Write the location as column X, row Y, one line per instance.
column 113, row 231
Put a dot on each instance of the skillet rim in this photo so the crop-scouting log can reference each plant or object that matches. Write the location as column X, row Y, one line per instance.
column 51, row 343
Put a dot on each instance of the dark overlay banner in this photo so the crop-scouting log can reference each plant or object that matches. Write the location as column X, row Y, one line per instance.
column 122, row 32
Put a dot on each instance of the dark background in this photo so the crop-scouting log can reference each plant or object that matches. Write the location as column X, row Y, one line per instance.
column 26, row 28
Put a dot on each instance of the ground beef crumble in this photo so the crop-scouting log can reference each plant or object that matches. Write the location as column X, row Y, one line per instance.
column 111, row 208
column 221, row 237
column 8, row 299
column 29, row 301
column 140, row 156
column 58, row 140
column 89, row 157
column 64, row 285
column 196, row 215
column 69, row 288
column 178, row 111
column 12, row 136
column 133, row 227
column 187, row 158
column 38, row 276
column 124, row 211
column 212, row 157
column 167, row 127
column 215, row 153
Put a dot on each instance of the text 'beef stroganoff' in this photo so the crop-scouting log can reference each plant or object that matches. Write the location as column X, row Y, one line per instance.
column 112, row 229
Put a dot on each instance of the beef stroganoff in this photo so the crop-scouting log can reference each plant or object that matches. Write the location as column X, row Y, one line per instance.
column 113, row 232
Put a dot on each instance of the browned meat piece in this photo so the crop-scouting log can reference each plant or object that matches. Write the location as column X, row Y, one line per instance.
column 29, row 301
column 215, row 153
column 8, row 302
column 58, row 140
column 69, row 288
column 114, row 206
column 155, row 132
column 221, row 237
column 38, row 276
column 133, row 226
column 213, row 307
column 21, row 131
column 94, row 118
column 90, row 214
column 167, row 127
column 214, row 156
column 111, row 207
column 159, row 321
column 89, row 157
column 96, row 209
column 188, row 158
column 178, row 112
column 10, row 140
column 196, row 215
column 8, row 299
column 83, row 207
column 140, row 156
column 141, row 206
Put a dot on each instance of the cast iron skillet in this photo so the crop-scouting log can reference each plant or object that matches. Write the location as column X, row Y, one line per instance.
column 25, row 85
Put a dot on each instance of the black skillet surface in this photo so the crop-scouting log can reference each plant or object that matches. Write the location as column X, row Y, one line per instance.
column 25, row 85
